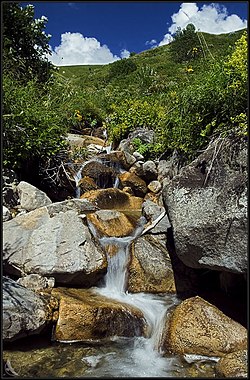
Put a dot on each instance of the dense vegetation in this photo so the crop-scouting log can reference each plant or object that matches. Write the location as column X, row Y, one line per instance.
column 188, row 92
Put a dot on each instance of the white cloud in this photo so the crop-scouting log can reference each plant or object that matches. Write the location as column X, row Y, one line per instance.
column 75, row 49
column 212, row 18
column 125, row 53
column 152, row 42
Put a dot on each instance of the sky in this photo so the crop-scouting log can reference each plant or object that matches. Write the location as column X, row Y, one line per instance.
column 101, row 32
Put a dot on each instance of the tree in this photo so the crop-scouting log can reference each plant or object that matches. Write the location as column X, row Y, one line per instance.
column 25, row 44
column 184, row 46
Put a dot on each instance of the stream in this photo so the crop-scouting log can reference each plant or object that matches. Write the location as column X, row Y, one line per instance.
column 39, row 357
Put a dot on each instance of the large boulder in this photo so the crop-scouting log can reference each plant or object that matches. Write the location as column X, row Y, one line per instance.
column 198, row 327
column 207, row 207
column 54, row 244
column 137, row 184
column 150, row 268
column 24, row 311
column 87, row 316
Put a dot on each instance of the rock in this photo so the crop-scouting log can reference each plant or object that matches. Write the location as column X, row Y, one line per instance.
column 150, row 171
column 113, row 199
column 6, row 214
column 233, row 365
column 87, row 316
column 167, row 169
column 150, row 267
column 103, row 176
column 152, row 211
column 79, row 205
column 112, row 223
column 206, row 204
column 55, row 245
column 86, row 184
column 118, row 159
column 198, row 327
column 35, row 282
column 137, row 184
column 31, row 197
column 79, row 141
column 24, row 311
column 137, row 168
column 138, row 156
column 154, row 186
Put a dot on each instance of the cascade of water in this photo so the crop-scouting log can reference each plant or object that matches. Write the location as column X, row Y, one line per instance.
column 144, row 358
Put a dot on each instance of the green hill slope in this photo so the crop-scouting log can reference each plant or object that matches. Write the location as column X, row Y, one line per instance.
column 183, row 102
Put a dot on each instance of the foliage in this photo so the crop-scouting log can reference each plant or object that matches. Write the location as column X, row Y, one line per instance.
column 149, row 151
column 25, row 44
column 121, row 67
column 31, row 129
column 185, row 46
column 131, row 114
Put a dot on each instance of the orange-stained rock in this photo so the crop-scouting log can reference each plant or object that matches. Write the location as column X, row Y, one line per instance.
column 137, row 184
column 233, row 365
column 85, row 315
column 198, row 327
column 114, row 199
column 111, row 223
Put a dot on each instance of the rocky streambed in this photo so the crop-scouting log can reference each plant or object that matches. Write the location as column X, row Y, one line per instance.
column 128, row 275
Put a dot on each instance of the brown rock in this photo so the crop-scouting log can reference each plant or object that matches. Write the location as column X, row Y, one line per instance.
column 86, row 184
column 198, row 327
column 111, row 199
column 233, row 365
column 137, row 184
column 111, row 223
column 84, row 315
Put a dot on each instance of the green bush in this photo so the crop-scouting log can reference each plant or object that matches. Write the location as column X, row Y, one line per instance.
column 121, row 67
column 32, row 122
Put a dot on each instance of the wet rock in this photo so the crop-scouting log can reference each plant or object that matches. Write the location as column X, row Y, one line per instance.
column 103, row 176
column 137, row 184
column 233, row 365
column 112, row 223
column 53, row 244
column 86, row 316
column 24, row 311
column 86, row 184
column 198, row 327
column 118, row 159
column 114, row 199
column 206, row 203
column 31, row 197
column 150, row 267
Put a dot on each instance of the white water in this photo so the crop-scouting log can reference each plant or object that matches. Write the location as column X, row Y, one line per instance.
column 140, row 356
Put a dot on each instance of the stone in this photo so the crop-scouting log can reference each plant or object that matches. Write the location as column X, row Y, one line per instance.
column 36, row 282
column 150, row 267
column 114, row 199
column 112, row 223
column 150, row 171
column 154, row 186
column 152, row 211
column 198, row 327
column 57, row 245
column 31, row 197
column 137, row 184
column 86, row 316
column 233, row 365
column 24, row 312
column 206, row 204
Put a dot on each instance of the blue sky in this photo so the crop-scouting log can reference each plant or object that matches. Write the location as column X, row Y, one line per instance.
column 92, row 32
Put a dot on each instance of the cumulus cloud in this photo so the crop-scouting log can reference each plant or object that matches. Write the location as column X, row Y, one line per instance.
column 212, row 18
column 75, row 49
column 125, row 53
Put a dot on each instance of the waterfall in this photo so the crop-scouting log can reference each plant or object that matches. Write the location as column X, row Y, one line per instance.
column 141, row 357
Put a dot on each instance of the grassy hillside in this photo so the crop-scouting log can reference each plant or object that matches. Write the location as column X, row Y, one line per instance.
column 183, row 102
